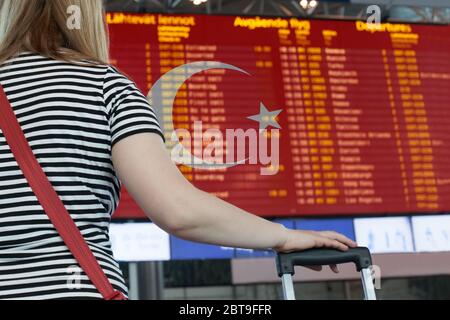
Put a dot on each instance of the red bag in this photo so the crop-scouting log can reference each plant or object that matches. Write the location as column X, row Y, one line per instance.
column 52, row 204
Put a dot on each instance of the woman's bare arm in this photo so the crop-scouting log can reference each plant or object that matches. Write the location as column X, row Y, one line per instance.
column 144, row 166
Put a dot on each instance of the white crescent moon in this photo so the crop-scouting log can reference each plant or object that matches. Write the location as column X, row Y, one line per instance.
column 177, row 77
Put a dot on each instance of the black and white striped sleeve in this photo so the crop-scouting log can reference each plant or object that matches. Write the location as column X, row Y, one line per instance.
column 129, row 111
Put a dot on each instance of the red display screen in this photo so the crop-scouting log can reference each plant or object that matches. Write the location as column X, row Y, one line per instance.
column 365, row 126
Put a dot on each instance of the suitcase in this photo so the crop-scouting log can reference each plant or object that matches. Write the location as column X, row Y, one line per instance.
column 360, row 256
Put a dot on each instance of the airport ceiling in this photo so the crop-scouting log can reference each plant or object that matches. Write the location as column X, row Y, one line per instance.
column 425, row 11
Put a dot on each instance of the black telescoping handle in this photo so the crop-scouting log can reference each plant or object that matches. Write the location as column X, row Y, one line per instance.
column 286, row 262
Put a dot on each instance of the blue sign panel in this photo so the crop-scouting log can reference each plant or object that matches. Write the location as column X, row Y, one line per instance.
column 341, row 225
column 187, row 250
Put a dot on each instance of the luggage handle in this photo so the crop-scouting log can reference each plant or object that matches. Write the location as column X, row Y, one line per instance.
column 286, row 262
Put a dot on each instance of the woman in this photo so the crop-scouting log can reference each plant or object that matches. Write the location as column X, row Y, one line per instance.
column 88, row 125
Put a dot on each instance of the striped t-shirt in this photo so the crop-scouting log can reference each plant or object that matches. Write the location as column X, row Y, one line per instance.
column 71, row 115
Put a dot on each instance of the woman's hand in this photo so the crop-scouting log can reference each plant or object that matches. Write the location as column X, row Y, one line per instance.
column 298, row 240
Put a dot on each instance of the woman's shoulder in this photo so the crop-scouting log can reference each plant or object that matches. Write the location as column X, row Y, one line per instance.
column 115, row 77
column 35, row 58
column 28, row 60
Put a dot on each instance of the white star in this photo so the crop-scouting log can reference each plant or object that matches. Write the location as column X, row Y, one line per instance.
column 266, row 118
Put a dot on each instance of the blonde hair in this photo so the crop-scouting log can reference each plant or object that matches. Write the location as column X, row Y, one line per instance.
column 41, row 26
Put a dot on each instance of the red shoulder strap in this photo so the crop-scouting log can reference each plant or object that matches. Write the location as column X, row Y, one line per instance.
column 49, row 200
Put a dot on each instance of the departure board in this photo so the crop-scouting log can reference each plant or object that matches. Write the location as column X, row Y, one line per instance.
column 362, row 110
